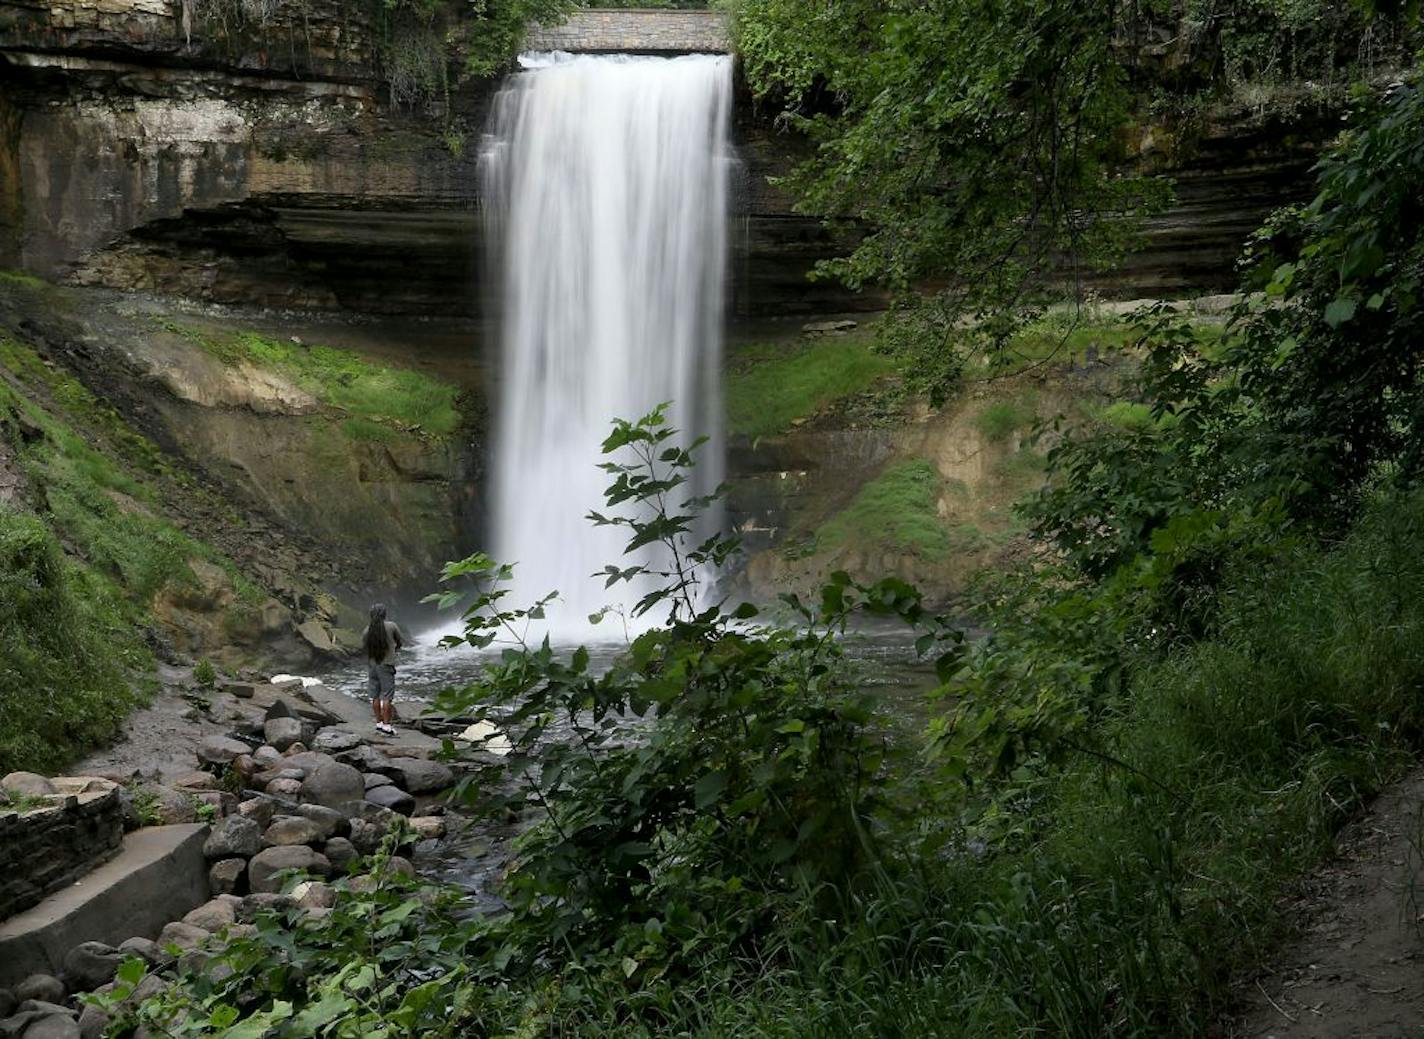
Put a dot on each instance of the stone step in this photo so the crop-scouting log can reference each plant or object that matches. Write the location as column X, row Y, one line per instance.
column 158, row 875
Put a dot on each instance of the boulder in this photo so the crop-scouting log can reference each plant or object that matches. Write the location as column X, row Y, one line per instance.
column 332, row 741
column 173, row 806
column 259, row 809
column 54, row 1026
column 197, row 781
column 366, row 835
column 419, row 776
column 364, row 757
column 288, row 788
column 307, row 760
column 292, row 829
column 27, row 784
column 225, row 876
column 282, row 732
column 313, row 894
column 315, row 635
column 223, row 802
column 212, row 916
column 392, row 797
column 335, row 786
column 245, row 765
column 263, row 872
column 237, row 836
column 241, row 690
column 268, row 756
column 268, row 775
column 280, row 708
column 89, row 965
column 375, row 779
column 184, row 935
column 428, row 827
column 330, row 821
column 340, row 852
column 221, row 750
column 92, row 1023
column 44, row 987
column 262, row 902
column 147, row 950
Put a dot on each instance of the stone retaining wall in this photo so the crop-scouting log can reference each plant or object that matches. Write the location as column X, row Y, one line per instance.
column 50, row 847
column 639, row 31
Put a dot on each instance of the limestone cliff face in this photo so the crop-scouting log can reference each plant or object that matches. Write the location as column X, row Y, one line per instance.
column 171, row 146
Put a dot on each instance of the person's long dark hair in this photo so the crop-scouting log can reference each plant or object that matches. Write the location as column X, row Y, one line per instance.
column 376, row 639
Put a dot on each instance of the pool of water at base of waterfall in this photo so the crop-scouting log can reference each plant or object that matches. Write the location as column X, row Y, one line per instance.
column 476, row 852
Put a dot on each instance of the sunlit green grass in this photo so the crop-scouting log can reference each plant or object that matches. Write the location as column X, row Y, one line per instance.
column 772, row 385
column 898, row 512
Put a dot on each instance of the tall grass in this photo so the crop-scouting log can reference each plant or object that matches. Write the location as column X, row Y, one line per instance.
column 1134, row 891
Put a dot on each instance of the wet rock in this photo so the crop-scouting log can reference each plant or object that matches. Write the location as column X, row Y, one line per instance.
column 197, row 781
column 183, row 935
column 428, row 827
column 221, row 750
column 331, row 822
column 419, row 776
column 212, row 916
column 259, row 809
column 263, row 872
column 392, row 797
column 340, row 851
column 27, row 784
column 89, row 965
column 331, row 741
column 282, row 732
column 291, row 829
column 335, row 785
column 225, row 876
column 43, row 987
column 237, row 836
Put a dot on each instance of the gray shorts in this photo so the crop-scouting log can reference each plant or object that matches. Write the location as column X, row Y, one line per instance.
column 381, row 682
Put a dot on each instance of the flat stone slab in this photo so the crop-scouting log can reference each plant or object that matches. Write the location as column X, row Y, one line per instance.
column 651, row 31
column 158, row 875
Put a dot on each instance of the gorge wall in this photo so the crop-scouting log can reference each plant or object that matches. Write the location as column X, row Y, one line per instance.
column 150, row 145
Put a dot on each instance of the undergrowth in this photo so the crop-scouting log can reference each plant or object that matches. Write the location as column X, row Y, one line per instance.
column 898, row 511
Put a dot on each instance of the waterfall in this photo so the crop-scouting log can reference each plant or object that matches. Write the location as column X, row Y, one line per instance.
column 606, row 186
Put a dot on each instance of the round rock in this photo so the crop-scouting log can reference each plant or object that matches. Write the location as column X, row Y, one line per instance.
column 147, row 950
column 54, row 1026
column 331, row 822
column 340, row 851
column 335, row 786
column 91, row 964
column 43, row 987
column 212, row 916
column 259, row 809
column 375, row 779
column 292, row 829
column 289, row 788
column 185, row 936
column 282, row 732
column 221, row 750
column 263, row 872
column 237, row 836
column 420, row 776
column 27, row 784
column 392, row 797
column 225, row 876
column 332, row 741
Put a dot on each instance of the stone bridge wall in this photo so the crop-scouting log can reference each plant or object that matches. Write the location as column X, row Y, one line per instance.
column 600, row 31
column 52, row 846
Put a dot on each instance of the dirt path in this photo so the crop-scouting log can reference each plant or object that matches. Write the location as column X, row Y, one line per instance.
column 1356, row 969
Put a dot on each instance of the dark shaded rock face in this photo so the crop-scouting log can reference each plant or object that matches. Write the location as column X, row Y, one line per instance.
column 142, row 149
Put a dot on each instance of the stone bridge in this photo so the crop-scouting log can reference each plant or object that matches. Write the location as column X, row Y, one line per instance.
column 637, row 31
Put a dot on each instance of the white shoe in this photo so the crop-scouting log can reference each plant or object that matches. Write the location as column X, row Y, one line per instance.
column 383, row 727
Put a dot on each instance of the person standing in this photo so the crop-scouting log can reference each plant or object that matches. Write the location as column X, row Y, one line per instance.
column 382, row 641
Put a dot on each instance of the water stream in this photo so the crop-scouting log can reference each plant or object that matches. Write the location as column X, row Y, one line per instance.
column 606, row 180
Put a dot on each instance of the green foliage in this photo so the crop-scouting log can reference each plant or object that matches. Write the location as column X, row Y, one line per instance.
column 205, row 674
column 378, row 399
column 63, row 674
column 715, row 770
column 974, row 140
column 771, row 386
column 898, row 511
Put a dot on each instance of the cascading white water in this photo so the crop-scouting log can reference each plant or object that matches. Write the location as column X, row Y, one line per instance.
column 607, row 186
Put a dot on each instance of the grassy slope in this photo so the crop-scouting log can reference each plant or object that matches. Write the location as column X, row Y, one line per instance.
column 769, row 386
column 78, row 618
column 378, row 400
